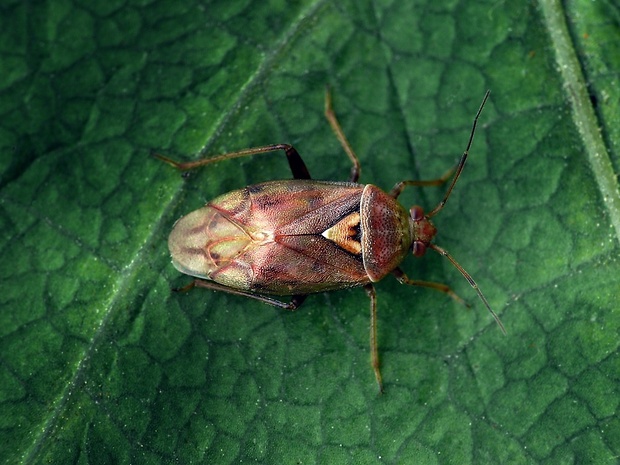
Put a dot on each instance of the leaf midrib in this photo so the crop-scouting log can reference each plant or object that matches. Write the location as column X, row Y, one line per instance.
column 583, row 114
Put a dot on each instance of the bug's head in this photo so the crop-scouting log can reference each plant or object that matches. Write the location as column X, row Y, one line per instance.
column 422, row 230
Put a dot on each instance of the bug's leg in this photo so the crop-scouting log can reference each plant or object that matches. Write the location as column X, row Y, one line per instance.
column 335, row 125
column 374, row 352
column 400, row 186
column 295, row 302
column 404, row 279
column 297, row 165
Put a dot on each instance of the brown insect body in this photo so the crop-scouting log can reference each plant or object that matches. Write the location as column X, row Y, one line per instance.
column 294, row 237
column 299, row 237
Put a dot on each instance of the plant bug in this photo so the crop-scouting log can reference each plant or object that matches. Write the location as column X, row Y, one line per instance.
column 300, row 236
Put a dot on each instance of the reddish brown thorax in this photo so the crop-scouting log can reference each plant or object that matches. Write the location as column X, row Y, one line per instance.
column 422, row 230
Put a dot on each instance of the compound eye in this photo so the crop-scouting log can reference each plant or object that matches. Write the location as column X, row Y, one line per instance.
column 416, row 212
column 418, row 248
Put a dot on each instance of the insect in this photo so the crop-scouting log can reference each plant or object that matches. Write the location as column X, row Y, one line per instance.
column 298, row 237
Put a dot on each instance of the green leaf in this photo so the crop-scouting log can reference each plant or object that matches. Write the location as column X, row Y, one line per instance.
column 101, row 363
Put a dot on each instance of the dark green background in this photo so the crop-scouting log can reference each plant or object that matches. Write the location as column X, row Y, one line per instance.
column 100, row 363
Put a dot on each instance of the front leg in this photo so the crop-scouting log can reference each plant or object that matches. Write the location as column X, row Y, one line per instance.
column 404, row 279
